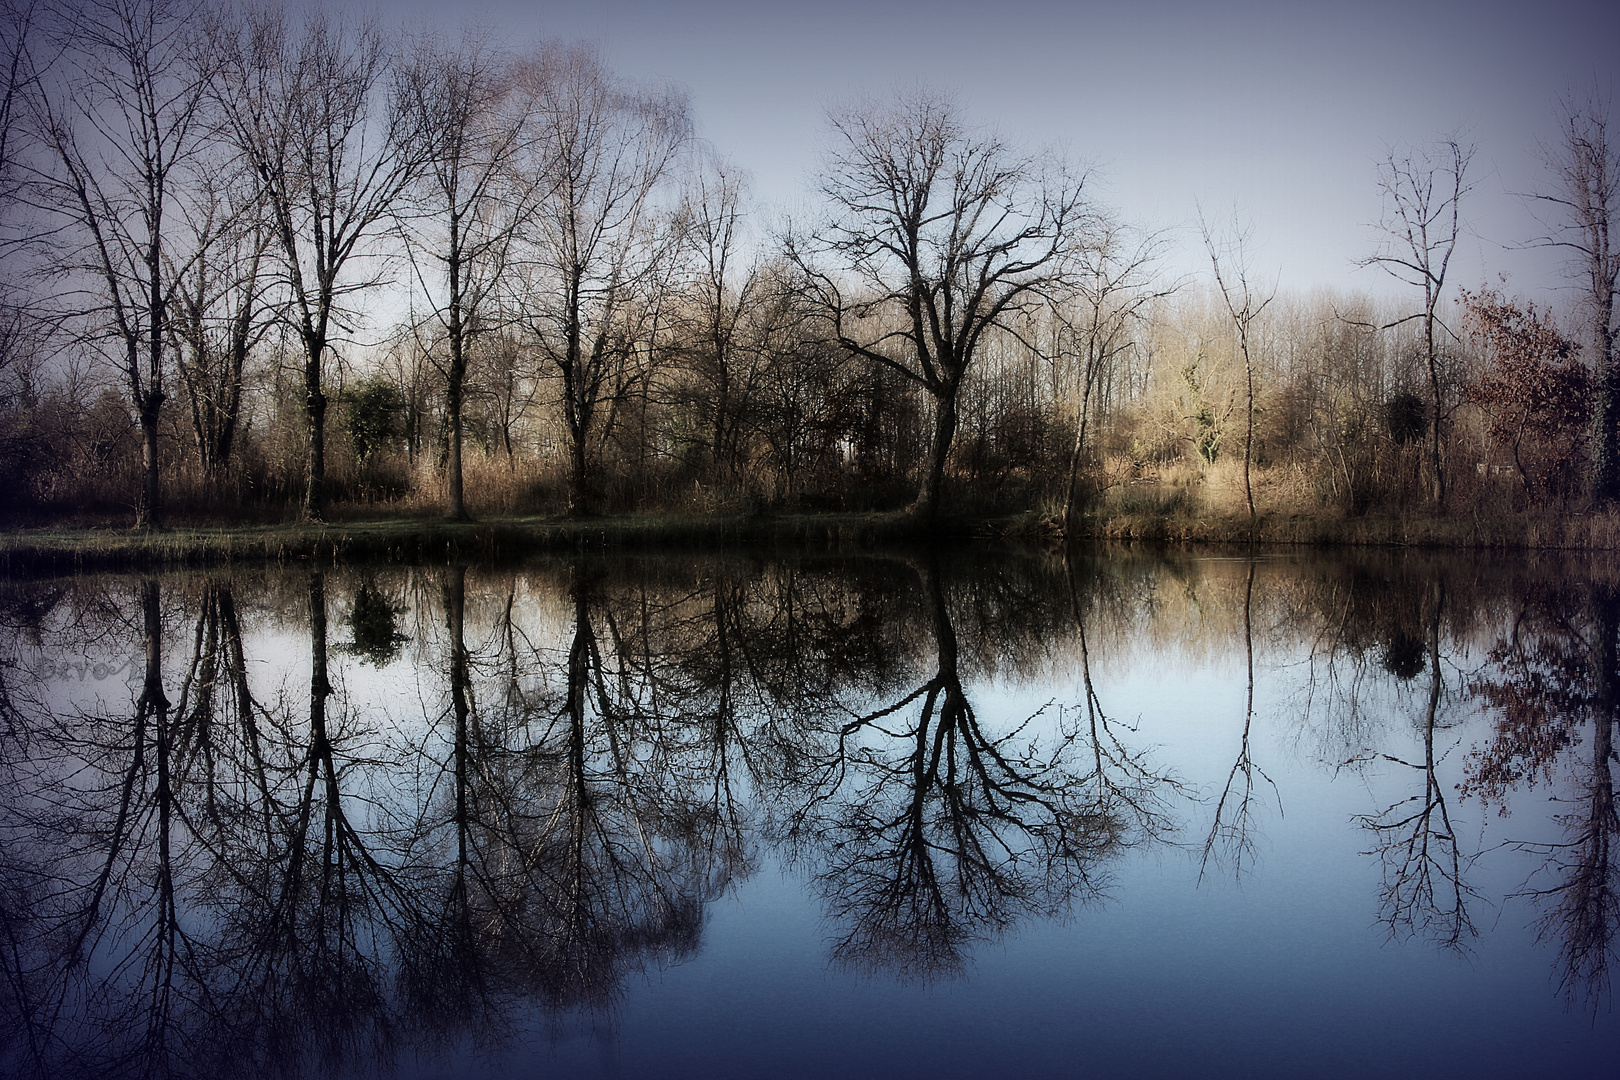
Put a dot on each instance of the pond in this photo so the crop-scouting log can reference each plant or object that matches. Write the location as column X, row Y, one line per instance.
column 916, row 814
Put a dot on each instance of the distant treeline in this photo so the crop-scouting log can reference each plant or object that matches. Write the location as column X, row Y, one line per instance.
column 263, row 263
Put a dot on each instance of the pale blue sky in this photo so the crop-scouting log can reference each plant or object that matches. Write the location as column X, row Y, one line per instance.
column 1279, row 110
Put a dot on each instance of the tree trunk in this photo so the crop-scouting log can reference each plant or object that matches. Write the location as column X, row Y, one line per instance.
column 1071, row 501
column 926, row 507
column 147, row 511
column 229, row 414
column 1606, row 425
column 315, row 416
column 453, row 384
column 1437, row 479
column 1071, row 498
column 319, row 687
column 1248, row 435
column 580, row 503
column 456, row 377
column 723, row 461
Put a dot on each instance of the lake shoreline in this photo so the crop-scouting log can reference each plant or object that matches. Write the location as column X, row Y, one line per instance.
column 1592, row 531
column 493, row 540
column 68, row 549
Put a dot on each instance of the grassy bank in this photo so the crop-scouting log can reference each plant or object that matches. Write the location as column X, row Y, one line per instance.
column 59, row 550
column 1503, row 532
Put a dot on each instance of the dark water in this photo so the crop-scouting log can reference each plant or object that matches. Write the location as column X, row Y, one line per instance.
column 911, row 816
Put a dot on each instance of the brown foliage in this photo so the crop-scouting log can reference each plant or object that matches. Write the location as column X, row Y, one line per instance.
column 1541, row 692
column 1536, row 397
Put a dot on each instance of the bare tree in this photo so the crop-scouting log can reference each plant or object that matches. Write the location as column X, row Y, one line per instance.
column 1586, row 197
column 941, row 234
column 18, row 31
column 1244, row 304
column 718, row 302
column 596, row 249
column 223, row 303
column 808, row 400
column 18, row 27
column 1423, row 192
column 1096, row 327
column 472, row 200
column 118, row 115
column 310, row 108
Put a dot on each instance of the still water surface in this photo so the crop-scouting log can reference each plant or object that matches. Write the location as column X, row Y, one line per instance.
column 902, row 816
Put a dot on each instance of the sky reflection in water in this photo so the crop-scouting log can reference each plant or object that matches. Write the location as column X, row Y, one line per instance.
column 898, row 816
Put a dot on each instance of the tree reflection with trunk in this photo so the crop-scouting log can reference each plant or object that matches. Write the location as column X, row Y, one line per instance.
column 562, row 855
column 311, row 866
column 1232, row 831
column 1553, row 678
column 1424, row 890
column 930, row 831
column 1385, row 646
column 597, row 879
column 312, row 902
column 112, row 829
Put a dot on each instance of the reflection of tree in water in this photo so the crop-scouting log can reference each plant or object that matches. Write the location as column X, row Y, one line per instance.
column 1423, row 890
column 572, row 859
column 443, row 970
column 929, row 832
column 1232, row 830
column 1367, row 622
column 234, row 881
column 1376, row 629
column 281, row 885
column 744, row 663
column 1119, row 775
column 309, row 896
column 88, row 873
column 599, row 885
column 374, row 624
column 1553, row 677
column 1404, row 656
column 102, row 847
column 201, row 896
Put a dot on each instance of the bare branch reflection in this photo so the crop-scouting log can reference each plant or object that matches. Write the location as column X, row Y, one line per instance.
column 230, row 845
column 1232, row 831
column 1424, row 891
column 571, row 860
column 1554, row 675
column 931, row 832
